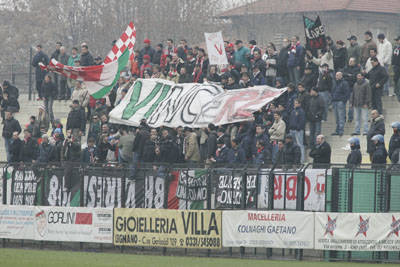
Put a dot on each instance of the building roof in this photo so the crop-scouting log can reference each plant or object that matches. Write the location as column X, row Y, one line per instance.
column 294, row 6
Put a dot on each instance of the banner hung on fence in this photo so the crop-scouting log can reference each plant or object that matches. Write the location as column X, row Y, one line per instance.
column 216, row 48
column 23, row 187
column 164, row 103
column 73, row 224
column 167, row 228
column 357, row 231
column 285, row 189
column 17, row 222
column 62, row 187
column 229, row 192
column 273, row 229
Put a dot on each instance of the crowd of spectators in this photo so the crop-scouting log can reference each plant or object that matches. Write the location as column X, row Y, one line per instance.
column 334, row 78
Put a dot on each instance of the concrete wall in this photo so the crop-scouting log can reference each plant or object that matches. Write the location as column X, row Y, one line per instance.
column 339, row 25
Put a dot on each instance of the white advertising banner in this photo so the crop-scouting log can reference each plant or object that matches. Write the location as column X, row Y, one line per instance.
column 285, row 190
column 272, row 229
column 216, row 48
column 17, row 222
column 164, row 103
column 74, row 224
column 357, row 231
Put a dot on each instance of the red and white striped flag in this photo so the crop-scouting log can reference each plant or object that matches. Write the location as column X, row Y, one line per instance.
column 126, row 40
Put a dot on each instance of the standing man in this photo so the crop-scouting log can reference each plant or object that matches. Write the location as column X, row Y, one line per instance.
column 367, row 46
column 63, row 80
column 297, row 123
column 76, row 121
column 242, row 54
column 354, row 50
column 146, row 50
column 340, row 94
column 377, row 127
column 384, row 56
column 296, row 60
column 360, row 100
column 321, row 153
column 40, row 57
column 86, row 57
column 315, row 110
column 277, row 133
column 396, row 67
column 11, row 125
column 394, row 144
column 377, row 76
column 56, row 55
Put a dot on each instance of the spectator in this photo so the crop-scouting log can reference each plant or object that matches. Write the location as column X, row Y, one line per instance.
column 380, row 154
column 309, row 79
column 377, row 127
column 94, row 127
column 277, row 133
column 88, row 155
column 350, row 75
column 360, row 100
column 384, row 48
column 15, row 148
column 125, row 145
column 81, row 94
column 280, row 155
column 158, row 54
column 140, row 140
column 191, row 147
column 42, row 119
column 340, row 56
column 245, row 81
column 377, row 76
column 325, row 85
column 33, row 126
column 71, row 149
column 11, row 90
column 271, row 66
column 303, row 96
column 396, row 67
column 354, row 158
column 321, row 152
column 221, row 153
column 324, row 60
column 11, row 125
column 40, row 57
column 263, row 155
column 86, row 59
column 242, row 54
column 76, row 121
column 49, row 93
column 282, row 67
column 64, row 93
column 394, row 144
column 296, row 60
column 291, row 151
column 146, row 65
column 340, row 96
column 258, row 61
column 29, row 149
column 213, row 76
column 237, row 155
column 211, row 141
column 297, row 123
column 8, row 103
column 354, row 50
column 102, row 148
column 185, row 77
column 367, row 46
column 46, row 150
column 231, row 84
column 258, row 77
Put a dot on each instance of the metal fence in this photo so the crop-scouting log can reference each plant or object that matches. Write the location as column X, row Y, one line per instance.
column 341, row 188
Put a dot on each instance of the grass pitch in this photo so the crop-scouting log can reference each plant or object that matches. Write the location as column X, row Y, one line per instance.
column 49, row 258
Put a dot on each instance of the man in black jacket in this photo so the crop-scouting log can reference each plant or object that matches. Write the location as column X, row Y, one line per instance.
column 394, row 144
column 29, row 149
column 12, row 91
column 377, row 76
column 40, row 57
column 314, row 113
column 211, row 141
column 76, row 121
column 292, row 152
column 11, row 125
column 15, row 148
column 377, row 127
column 282, row 70
column 86, row 57
column 321, row 153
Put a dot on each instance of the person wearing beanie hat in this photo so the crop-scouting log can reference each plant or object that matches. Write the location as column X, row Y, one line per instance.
column 146, row 50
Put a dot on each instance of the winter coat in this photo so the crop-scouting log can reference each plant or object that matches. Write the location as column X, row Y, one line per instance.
column 296, row 56
column 241, row 56
column 309, row 81
column 350, row 74
column 149, row 151
column 10, row 104
column 303, row 98
column 340, row 58
column 64, row 60
column 146, row 51
column 282, row 69
column 321, row 153
column 192, row 151
column 46, row 153
column 263, row 156
column 76, row 119
column 377, row 127
column 15, row 150
column 355, row 52
column 262, row 66
column 211, row 144
column 297, row 119
column 271, row 66
column 384, row 52
column 380, row 154
column 186, row 78
column 71, row 151
column 72, row 59
column 12, row 91
column 361, row 94
column 378, row 74
column 258, row 79
column 88, row 155
column 222, row 155
column 292, row 153
column 236, row 156
column 277, row 130
column 355, row 157
column 365, row 51
column 315, row 108
column 341, row 91
column 394, row 148
column 157, row 57
column 29, row 151
column 49, row 89
column 169, row 150
column 40, row 57
column 325, row 83
column 141, row 138
column 87, row 59
column 10, row 126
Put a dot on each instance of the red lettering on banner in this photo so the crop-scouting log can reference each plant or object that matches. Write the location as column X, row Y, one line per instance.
column 307, row 187
column 278, row 187
column 219, row 49
column 291, row 185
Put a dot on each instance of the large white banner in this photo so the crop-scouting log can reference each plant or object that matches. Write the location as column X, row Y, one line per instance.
column 74, row 224
column 285, row 190
column 164, row 103
column 216, row 48
column 272, row 229
column 357, row 231
column 17, row 222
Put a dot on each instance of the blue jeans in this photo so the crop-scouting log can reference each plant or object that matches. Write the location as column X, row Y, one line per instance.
column 299, row 140
column 339, row 108
column 315, row 130
column 133, row 165
column 350, row 113
column 294, row 75
column 326, row 96
column 361, row 114
column 274, row 152
column 7, row 143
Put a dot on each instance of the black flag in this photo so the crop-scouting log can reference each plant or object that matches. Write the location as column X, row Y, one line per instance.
column 315, row 33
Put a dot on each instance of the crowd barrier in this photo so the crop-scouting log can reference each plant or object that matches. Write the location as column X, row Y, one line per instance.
column 346, row 213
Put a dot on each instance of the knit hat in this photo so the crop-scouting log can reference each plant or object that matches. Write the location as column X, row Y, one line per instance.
column 146, row 41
